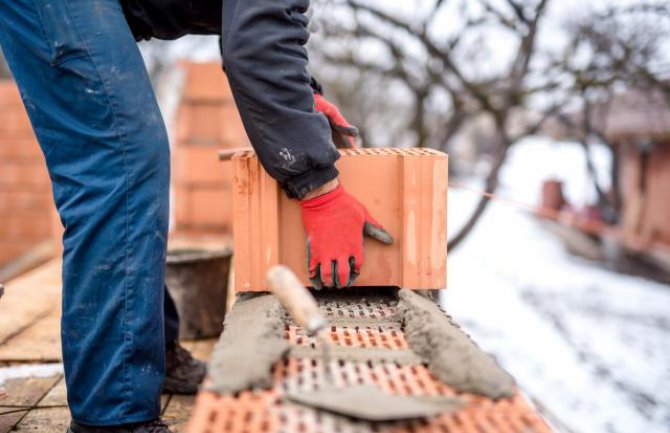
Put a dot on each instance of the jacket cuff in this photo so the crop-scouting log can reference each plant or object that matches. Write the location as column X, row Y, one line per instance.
column 299, row 186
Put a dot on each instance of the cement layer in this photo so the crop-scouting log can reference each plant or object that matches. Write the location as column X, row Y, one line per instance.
column 371, row 403
column 251, row 343
column 358, row 354
column 365, row 322
column 451, row 355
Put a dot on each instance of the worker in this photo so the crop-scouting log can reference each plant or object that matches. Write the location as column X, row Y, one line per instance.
column 91, row 104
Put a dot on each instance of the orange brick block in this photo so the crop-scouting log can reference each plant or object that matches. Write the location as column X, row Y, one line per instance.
column 405, row 189
column 199, row 165
column 20, row 148
column 20, row 226
column 15, row 122
column 11, row 249
column 24, row 174
column 205, row 81
column 14, row 200
column 203, row 208
column 201, row 123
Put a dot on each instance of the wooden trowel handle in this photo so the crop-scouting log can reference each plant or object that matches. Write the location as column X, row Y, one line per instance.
column 297, row 300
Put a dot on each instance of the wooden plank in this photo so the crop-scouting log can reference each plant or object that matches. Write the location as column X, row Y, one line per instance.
column 165, row 399
column 29, row 298
column 36, row 256
column 40, row 342
column 9, row 417
column 57, row 397
column 178, row 412
column 45, row 420
column 26, row 392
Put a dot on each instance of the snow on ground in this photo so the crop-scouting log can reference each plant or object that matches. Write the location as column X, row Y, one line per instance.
column 29, row 370
column 592, row 346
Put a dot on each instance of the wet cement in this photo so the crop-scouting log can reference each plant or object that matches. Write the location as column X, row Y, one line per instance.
column 251, row 343
column 358, row 354
column 451, row 355
column 371, row 403
column 364, row 322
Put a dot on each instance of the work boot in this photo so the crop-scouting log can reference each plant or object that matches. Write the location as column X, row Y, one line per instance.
column 156, row 426
column 183, row 373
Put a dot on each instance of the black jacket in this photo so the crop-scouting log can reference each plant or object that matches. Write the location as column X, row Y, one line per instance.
column 264, row 55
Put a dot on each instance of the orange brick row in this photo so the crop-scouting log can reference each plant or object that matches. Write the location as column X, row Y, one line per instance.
column 26, row 203
column 207, row 121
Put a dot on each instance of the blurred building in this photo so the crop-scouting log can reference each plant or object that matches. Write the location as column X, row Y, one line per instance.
column 636, row 124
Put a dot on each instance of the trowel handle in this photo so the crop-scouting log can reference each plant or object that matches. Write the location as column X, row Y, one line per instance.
column 297, row 300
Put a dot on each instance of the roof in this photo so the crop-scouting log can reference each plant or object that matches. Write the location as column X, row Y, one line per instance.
column 635, row 115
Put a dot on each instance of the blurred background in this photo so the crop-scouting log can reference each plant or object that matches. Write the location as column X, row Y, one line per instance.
column 556, row 117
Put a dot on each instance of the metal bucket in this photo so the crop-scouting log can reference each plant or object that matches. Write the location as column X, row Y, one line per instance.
column 198, row 282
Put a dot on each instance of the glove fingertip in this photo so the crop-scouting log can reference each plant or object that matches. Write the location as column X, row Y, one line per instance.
column 342, row 273
column 378, row 233
column 348, row 130
column 315, row 279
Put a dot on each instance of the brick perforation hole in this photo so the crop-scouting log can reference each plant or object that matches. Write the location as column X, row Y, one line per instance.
column 360, row 311
column 380, row 337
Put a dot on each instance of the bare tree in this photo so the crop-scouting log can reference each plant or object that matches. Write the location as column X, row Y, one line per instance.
column 433, row 82
column 611, row 51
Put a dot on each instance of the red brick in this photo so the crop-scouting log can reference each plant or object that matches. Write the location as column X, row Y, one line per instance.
column 199, row 165
column 20, row 148
column 199, row 208
column 15, row 124
column 10, row 250
column 205, row 81
column 24, row 201
column 26, row 226
column 17, row 173
column 202, row 124
column 233, row 133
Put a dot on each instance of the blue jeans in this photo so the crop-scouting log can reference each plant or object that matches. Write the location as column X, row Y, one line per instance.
column 92, row 107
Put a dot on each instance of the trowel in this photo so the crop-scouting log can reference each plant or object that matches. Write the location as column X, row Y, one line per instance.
column 364, row 402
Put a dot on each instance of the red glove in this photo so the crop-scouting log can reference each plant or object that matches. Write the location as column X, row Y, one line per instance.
column 335, row 224
column 344, row 134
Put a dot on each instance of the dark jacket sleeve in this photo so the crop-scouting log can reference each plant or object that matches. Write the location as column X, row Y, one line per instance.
column 172, row 19
column 264, row 55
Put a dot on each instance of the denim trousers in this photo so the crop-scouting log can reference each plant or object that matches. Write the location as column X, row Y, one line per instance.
column 88, row 96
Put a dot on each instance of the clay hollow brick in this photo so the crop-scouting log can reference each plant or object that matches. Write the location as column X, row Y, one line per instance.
column 404, row 189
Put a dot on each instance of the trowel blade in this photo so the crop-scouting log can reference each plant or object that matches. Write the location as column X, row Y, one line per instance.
column 371, row 403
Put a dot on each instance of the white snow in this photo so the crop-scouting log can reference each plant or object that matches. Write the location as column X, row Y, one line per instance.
column 29, row 370
column 592, row 346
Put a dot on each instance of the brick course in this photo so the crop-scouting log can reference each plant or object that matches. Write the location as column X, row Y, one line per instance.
column 207, row 121
column 26, row 203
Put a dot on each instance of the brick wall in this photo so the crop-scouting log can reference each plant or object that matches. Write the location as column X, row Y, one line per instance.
column 207, row 121
column 26, row 204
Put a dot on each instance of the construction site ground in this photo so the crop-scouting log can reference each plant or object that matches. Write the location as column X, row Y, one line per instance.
column 35, row 401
